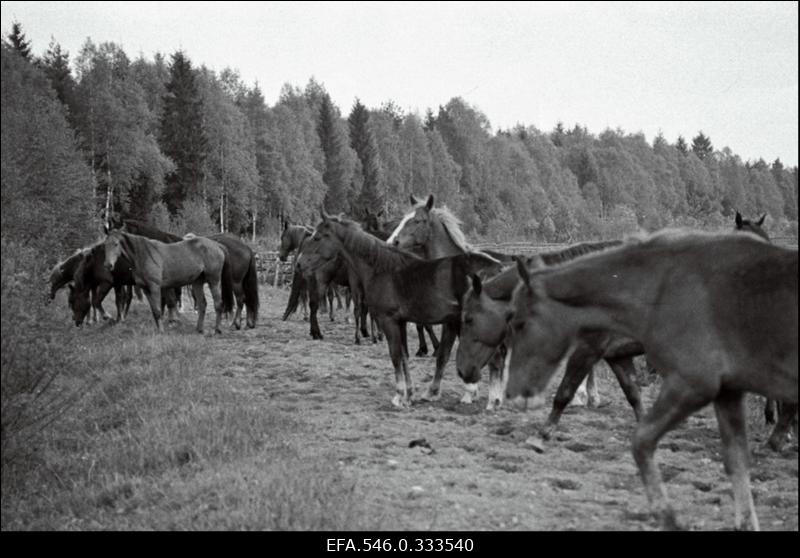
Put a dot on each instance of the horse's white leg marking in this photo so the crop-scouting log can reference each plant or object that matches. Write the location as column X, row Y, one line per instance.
column 399, row 228
column 470, row 392
column 497, row 387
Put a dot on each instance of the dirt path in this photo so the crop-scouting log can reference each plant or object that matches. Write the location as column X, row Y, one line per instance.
column 480, row 474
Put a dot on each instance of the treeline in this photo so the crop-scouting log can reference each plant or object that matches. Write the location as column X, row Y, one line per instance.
column 190, row 149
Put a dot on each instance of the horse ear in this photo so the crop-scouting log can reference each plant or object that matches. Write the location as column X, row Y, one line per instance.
column 429, row 204
column 477, row 286
column 738, row 220
column 761, row 221
column 414, row 200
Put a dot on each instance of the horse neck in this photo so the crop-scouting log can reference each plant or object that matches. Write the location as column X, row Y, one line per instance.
column 611, row 292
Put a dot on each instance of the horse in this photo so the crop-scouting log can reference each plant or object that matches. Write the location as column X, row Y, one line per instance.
column 158, row 265
column 92, row 276
column 293, row 239
column 170, row 300
column 485, row 307
column 434, row 232
column 244, row 275
column 716, row 314
column 383, row 231
column 400, row 287
column 772, row 408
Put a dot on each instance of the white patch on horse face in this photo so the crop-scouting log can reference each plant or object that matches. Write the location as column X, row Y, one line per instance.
column 399, row 228
column 470, row 392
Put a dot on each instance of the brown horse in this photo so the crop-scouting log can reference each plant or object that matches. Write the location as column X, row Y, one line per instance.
column 716, row 314
column 156, row 265
column 485, row 309
column 400, row 287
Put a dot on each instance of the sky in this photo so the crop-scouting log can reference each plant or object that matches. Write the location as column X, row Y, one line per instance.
column 727, row 69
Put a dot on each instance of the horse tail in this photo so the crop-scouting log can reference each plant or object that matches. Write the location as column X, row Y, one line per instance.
column 138, row 292
column 227, row 284
column 298, row 287
column 250, row 285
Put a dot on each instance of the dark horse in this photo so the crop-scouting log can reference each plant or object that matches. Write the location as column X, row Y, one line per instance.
column 772, row 408
column 383, row 231
column 716, row 314
column 63, row 274
column 483, row 336
column 400, row 287
column 157, row 265
column 242, row 261
column 92, row 276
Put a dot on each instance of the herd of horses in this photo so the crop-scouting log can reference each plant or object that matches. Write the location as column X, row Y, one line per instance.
column 715, row 314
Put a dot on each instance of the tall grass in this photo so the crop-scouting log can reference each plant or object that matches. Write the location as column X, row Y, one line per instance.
column 152, row 436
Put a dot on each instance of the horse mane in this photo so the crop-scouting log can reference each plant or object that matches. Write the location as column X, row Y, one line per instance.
column 75, row 258
column 381, row 256
column 576, row 250
column 452, row 225
column 149, row 231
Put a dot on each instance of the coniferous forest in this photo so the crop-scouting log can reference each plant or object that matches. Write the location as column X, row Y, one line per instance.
column 169, row 141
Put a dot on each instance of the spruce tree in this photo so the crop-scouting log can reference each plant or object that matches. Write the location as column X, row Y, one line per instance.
column 183, row 138
column 362, row 140
column 681, row 146
column 701, row 146
column 55, row 64
column 333, row 145
column 16, row 40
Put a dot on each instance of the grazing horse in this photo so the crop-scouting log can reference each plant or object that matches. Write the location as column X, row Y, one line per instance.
column 63, row 274
column 485, row 309
column 716, row 314
column 157, row 265
column 400, row 287
column 92, row 276
column 384, row 231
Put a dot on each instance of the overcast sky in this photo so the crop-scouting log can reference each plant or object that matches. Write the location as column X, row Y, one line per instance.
column 730, row 70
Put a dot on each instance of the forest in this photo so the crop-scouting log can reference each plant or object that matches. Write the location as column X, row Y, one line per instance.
column 190, row 149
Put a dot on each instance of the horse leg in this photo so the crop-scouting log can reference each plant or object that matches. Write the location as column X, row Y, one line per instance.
column 578, row 366
column 200, row 303
column 304, row 299
column 403, row 387
column 239, row 294
column 625, row 372
column 676, row 401
column 119, row 301
column 434, row 340
column 729, row 407
column 404, row 339
column 592, row 395
column 100, row 295
column 497, row 379
column 423, row 346
column 786, row 416
column 348, row 298
column 128, row 300
column 313, row 302
column 331, row 293
column 356, row 319
column 216, row 295
column 154, row 298
column 449, row 334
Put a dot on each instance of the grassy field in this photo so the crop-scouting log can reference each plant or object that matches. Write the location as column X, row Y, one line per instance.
column 267, row 429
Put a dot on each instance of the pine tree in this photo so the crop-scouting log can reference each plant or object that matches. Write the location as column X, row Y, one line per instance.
column 182, row 136
column 430, row 120
column 701, row 146
column 363, row 142
column 16, row 40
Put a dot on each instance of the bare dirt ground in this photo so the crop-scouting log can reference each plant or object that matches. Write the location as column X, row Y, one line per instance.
column 480, row 474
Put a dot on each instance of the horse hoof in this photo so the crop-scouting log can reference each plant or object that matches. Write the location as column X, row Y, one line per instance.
column 432, row 396
column 546, row 432
column 466, row 399
column 594, row 403
column 237, row 326
column 493, row 404
column 400, row 402
column 422, row 352
column 358, row 341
